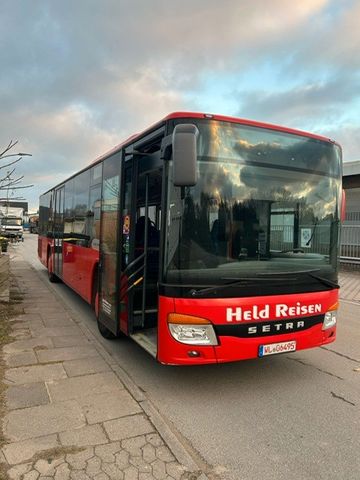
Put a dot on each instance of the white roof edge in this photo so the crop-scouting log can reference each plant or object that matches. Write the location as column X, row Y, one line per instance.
column 351, row 168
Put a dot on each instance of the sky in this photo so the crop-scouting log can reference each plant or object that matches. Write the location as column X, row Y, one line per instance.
column 78, row 77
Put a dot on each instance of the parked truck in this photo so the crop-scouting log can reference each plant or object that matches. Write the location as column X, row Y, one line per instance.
column 11, row 222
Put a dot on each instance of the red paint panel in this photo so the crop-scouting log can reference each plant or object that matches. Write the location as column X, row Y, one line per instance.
column 172, row 352
column 215, row 309
column 78, row 268
column 233, row 348
column 44, row 244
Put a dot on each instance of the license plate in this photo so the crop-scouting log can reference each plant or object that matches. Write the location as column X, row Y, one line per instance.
column 274, row 348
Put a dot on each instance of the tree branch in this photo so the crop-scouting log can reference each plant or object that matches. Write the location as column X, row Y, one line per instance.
column 11, row 163
column 9, row 147
column 15, row 188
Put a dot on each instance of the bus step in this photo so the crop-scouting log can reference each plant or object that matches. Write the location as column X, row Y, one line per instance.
column 148, row 310
column 147, row 339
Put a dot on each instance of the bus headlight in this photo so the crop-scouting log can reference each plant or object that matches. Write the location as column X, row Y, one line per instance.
column 329, row 319
column 191, row 330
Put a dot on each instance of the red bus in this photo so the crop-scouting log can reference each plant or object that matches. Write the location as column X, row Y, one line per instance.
column 205, row 238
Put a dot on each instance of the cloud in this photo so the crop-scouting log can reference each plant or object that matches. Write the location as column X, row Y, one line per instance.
column 313, row 104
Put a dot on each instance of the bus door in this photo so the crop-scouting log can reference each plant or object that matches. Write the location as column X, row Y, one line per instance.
column 141, row 216
column 59, row 232
column 109, row 241
column 147, row 242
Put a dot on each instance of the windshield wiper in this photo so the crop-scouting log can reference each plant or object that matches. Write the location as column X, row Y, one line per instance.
column 325, row 281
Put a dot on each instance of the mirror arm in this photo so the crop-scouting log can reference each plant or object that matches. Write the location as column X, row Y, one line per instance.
column 166, row 148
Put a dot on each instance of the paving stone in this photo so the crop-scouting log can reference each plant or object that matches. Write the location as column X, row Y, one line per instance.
column 86, row 366
column 93, row 466
column 85, row 386
column 107, row 452
column 34, row 317
column 113, row 472
column 79, row 475
column 35, row 373
column 131, row 473
column 27, row 345
column 20, row 334
column 58, row 313
column 83, row 437
column 21, row 451
column 62, row 472
column 159, row 470
column 122, row 459
column 16, row 473
column 175, row 470
column 140, row 464
column 33, row 475
column 108, row 406
column 146, row 476
column 28, row 395
column 164, row 454
column 154, row 439
column 49, row 466
column 134, row 445
column 21, row 359
column 2, row 457
column 46, row 307
column 55, row 331
column 78, row 460
column 101, row 476
column 19, row 325
column 57, row 321
column 43, row 309
column 70, row 341
column 66, row 353
column 128, row 427
column 43, row 420
column 149, row 453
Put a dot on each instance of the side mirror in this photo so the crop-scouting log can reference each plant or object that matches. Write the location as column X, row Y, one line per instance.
column 185, row 155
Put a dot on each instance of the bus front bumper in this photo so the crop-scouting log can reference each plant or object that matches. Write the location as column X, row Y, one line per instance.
column 231, row 347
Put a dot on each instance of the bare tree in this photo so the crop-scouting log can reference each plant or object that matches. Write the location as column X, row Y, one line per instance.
column 8, row 179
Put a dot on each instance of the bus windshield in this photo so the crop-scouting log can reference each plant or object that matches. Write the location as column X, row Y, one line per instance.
column 266, row 203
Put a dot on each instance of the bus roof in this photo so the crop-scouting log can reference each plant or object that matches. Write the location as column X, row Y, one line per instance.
column 244, row 121
column 223, row 118
column 198, row 115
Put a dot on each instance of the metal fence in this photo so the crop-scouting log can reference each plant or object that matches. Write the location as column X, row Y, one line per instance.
column 350, row 244
column 282, row 239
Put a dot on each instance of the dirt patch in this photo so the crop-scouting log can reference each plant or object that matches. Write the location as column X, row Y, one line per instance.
column 8, row 311
column 54, row 453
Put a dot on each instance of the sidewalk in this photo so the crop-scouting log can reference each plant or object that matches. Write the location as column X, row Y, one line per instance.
column 71, row 412
column 350, row 285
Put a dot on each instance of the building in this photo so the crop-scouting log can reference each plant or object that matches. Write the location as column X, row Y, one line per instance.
column 350, row 236
column 10, row 203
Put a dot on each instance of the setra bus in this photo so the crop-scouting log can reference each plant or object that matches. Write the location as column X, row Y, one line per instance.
column 205, row 238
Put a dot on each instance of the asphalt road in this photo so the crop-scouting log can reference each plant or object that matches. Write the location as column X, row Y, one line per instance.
column 294, row 416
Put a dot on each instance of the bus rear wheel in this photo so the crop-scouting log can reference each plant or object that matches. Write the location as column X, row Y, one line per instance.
column 50, row 266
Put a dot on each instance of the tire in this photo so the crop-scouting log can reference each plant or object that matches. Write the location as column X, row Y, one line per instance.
column 51, row 275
